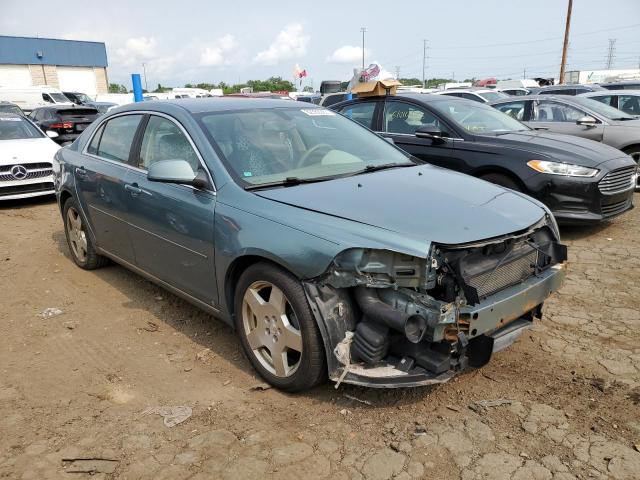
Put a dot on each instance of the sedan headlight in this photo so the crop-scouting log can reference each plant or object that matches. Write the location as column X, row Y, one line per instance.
column 567, row 169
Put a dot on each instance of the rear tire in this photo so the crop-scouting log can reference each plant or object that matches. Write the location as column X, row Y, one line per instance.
column 79, row 241
column 277, row 329
column 502, row 180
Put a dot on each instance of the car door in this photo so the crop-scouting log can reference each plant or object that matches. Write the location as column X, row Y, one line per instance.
column 171, row 226
column 401, row 119
column 558, row 117
column 100, row 182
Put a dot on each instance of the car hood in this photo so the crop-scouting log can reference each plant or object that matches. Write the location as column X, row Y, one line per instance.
column 425, row 203
column 27, row 150
column 558, row 147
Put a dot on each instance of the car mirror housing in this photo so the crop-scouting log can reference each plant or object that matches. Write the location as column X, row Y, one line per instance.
column 429, row 131
column 586, row 120
column 52, row 134
column 176, row 171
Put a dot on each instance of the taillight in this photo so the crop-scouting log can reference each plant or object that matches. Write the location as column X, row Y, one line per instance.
column 61, row 125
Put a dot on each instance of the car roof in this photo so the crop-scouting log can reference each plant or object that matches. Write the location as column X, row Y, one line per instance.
column 622, row 82
column 61, row 107
column 622, row 91
column 215, row 104
column 12, row 115
column 523, row 98
column 4, row 102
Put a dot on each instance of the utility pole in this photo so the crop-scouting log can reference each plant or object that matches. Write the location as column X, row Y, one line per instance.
column 424, row 61
column 144, row 69
column 524, row 72
column 397, row 72
column 566, row 42
column 363, row 30
column 611, row 53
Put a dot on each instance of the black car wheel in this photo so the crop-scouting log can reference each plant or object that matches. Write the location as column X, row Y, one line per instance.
column 502, row 180
column 634, row 152
column 277, row 329
column 80, row 243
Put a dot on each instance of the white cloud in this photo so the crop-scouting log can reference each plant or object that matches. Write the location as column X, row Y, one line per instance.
column 348, row 54
column 134, row 51
column 290, row 43
column 215, row 55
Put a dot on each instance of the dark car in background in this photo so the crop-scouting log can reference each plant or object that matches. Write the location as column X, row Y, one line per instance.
column 579, row 180
column 102, row 107
column 579, row 116
column 622, row 85
column 78, row 98
column 67, row 122
column 569, row 89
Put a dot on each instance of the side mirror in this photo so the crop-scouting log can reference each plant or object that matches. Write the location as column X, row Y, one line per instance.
column 431, row 132
column 52, row 134
column 587, row 121
column 176, row 171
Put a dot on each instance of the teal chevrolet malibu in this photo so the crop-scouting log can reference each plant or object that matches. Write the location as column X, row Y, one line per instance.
column 332, row 252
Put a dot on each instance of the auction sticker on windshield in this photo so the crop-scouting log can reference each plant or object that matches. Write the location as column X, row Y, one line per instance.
column 10, row 119
column 316, row 112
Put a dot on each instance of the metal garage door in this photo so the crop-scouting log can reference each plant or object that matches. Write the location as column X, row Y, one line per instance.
column 77, row 79
column 15, row 76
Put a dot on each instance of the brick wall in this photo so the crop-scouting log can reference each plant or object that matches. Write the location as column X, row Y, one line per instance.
column 44, row 75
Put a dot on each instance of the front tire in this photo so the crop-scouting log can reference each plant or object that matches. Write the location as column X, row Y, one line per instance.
column 277, row 329
column 80, row 243
column 634, row 152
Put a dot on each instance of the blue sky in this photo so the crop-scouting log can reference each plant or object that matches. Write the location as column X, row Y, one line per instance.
column 207, row 41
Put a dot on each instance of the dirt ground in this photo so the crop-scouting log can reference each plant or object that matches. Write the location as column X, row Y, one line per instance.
column 74, row 386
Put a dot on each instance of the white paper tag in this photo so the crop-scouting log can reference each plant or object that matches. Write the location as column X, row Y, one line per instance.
column 317, row 112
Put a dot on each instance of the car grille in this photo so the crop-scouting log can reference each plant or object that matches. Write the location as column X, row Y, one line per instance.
column 34, row 170
column 504, row 276
column 26, row 188
column 617, row 181
column 615, row 208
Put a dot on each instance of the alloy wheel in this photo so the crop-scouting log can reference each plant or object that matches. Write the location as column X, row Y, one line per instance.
column 77, row 235
column 271, row 329
column 636, row 157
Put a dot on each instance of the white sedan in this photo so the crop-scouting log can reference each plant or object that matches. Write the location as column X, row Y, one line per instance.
column 26, row 158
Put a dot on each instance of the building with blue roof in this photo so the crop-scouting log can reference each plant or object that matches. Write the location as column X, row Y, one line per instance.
column 69, row 65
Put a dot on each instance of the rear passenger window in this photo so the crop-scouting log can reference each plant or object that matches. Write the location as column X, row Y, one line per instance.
column 361, row 113
column 117, row 137
column 95, row 141
column 606, row 99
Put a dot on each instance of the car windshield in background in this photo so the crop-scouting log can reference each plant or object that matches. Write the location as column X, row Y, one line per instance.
column 493, row 96
column 58, row 97
column 287, row 145
column 10, row 109
column 17, row 128
column 605, row 110
column 478, row 118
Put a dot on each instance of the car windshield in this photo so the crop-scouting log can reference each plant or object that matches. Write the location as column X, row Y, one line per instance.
column 266, row 146
column 59, row 98
column 13, row 127
column 83, row 97
column 477, row 118
column 606, row 111
column 492, row 96
column 11, row 109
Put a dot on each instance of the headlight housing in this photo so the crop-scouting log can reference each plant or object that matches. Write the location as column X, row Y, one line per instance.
column 566, row 169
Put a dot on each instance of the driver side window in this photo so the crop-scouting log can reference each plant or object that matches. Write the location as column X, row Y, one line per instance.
column 163, row 140
column 405, row 118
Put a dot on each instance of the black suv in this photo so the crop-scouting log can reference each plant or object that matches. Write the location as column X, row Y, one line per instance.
column 67, row 122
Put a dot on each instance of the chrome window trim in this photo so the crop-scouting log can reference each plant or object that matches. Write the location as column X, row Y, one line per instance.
column 138, row 169
column 413, row 136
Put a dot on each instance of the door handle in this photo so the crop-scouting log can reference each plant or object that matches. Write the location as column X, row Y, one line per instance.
column 81, row 172
column 133, row 188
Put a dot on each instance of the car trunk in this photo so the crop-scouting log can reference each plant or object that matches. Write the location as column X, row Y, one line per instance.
column 81, row 118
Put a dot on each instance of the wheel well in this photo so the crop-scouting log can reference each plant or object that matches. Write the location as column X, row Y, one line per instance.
column 64, row 196
column 235, row 270
column 635, row 146
column 501, row 171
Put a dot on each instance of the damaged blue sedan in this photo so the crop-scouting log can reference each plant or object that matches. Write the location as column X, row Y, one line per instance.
column 332, row 252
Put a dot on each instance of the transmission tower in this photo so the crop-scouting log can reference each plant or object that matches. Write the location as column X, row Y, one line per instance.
column 611, row 53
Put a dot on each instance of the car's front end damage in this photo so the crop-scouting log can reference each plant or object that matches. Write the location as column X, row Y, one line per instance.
column 393, row 320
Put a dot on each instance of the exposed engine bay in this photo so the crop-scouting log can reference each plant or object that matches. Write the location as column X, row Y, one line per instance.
column 397, row 320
